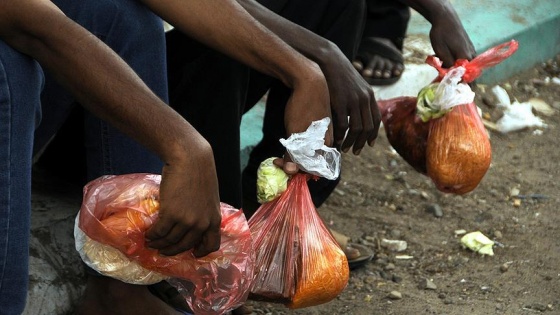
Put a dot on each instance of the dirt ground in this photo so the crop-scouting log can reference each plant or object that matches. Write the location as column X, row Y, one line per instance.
column 516, row 205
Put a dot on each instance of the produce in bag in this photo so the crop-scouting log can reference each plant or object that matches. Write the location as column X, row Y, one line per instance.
column 297, row 260
column 116, row 212
column 440, row 133
column 405, row 130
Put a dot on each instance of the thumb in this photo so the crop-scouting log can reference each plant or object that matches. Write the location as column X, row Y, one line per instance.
column 287, row 165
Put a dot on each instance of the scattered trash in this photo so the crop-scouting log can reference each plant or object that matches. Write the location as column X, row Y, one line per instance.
column 513, row 192
column 404, row 257
column 460, row 232
column 532, row 196
column 478, row 242
column 517, row 116
column 541, row 106
column 556, row 80
column 394, row 245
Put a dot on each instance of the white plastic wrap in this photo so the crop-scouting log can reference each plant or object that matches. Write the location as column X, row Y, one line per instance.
column 110, row 262
column 308, row 150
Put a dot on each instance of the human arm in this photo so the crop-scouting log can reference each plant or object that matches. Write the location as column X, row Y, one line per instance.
column 225, row 26
column 449, row 38
column 105, row 85
column 353, row 104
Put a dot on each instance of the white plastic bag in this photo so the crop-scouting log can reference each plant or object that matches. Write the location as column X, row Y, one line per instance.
column 308, row 150
column 517, row 116
column 450, row 92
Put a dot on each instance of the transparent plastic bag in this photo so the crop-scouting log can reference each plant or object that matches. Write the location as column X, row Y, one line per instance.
column 450, row 146
column 117, row 210
column 297, row 260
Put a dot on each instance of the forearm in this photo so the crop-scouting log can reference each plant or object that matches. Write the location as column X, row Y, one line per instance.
column 431, row 10
column 227, row 27
column 98, row 78
column 303, row 40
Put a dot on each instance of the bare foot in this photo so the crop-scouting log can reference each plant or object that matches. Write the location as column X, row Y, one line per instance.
column 379, row 61
column 108, row 296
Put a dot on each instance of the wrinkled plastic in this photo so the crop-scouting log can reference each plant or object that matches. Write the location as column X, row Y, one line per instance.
column 308, row 150
column 475, row 67
column 437, row 99
column 406, row 132
column 456, row 144
column 458, row 153
column 117, row 210
column 297, row 260
column 517, row 116
column 110, row 262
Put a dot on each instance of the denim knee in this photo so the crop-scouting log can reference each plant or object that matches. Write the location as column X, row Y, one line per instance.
column 21, row 80
column 115, row 21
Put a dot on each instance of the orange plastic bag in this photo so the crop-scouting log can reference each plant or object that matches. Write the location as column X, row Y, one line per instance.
column 117, row 210
column 297, row 260
column 453, row 149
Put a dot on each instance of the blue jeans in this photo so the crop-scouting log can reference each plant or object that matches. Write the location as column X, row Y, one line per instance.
column 137, row 35
column 21, row 80
column 28, row 120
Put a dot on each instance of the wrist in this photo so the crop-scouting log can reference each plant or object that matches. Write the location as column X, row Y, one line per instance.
column 439, row 11
column 309, row 74
column 188, row 151
column 325, row 52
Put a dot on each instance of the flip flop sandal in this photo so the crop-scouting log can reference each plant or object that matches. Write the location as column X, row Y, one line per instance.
column 366, row 255
column 373, row 46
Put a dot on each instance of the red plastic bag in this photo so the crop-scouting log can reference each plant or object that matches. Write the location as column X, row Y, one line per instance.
column 117, row 210
column 297, row 260
column 453, row 150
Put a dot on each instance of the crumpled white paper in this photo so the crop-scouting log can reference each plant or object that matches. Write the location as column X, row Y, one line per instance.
column 517, row 116
column 308, row 150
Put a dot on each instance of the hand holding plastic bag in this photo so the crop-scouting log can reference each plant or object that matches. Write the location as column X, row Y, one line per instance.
column 448, row 142
column 115, row 213
column 298, row 262
column 308, row 150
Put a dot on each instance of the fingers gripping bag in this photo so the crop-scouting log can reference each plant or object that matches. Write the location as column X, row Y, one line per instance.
column 440, row 132
column 109, row 233
column 297, row 260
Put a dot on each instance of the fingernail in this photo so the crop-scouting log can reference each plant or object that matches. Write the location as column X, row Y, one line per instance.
column 357, row 151
column 358, row 66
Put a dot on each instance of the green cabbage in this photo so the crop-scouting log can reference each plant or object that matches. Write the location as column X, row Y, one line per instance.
column 425, row 107
column 271, row 181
